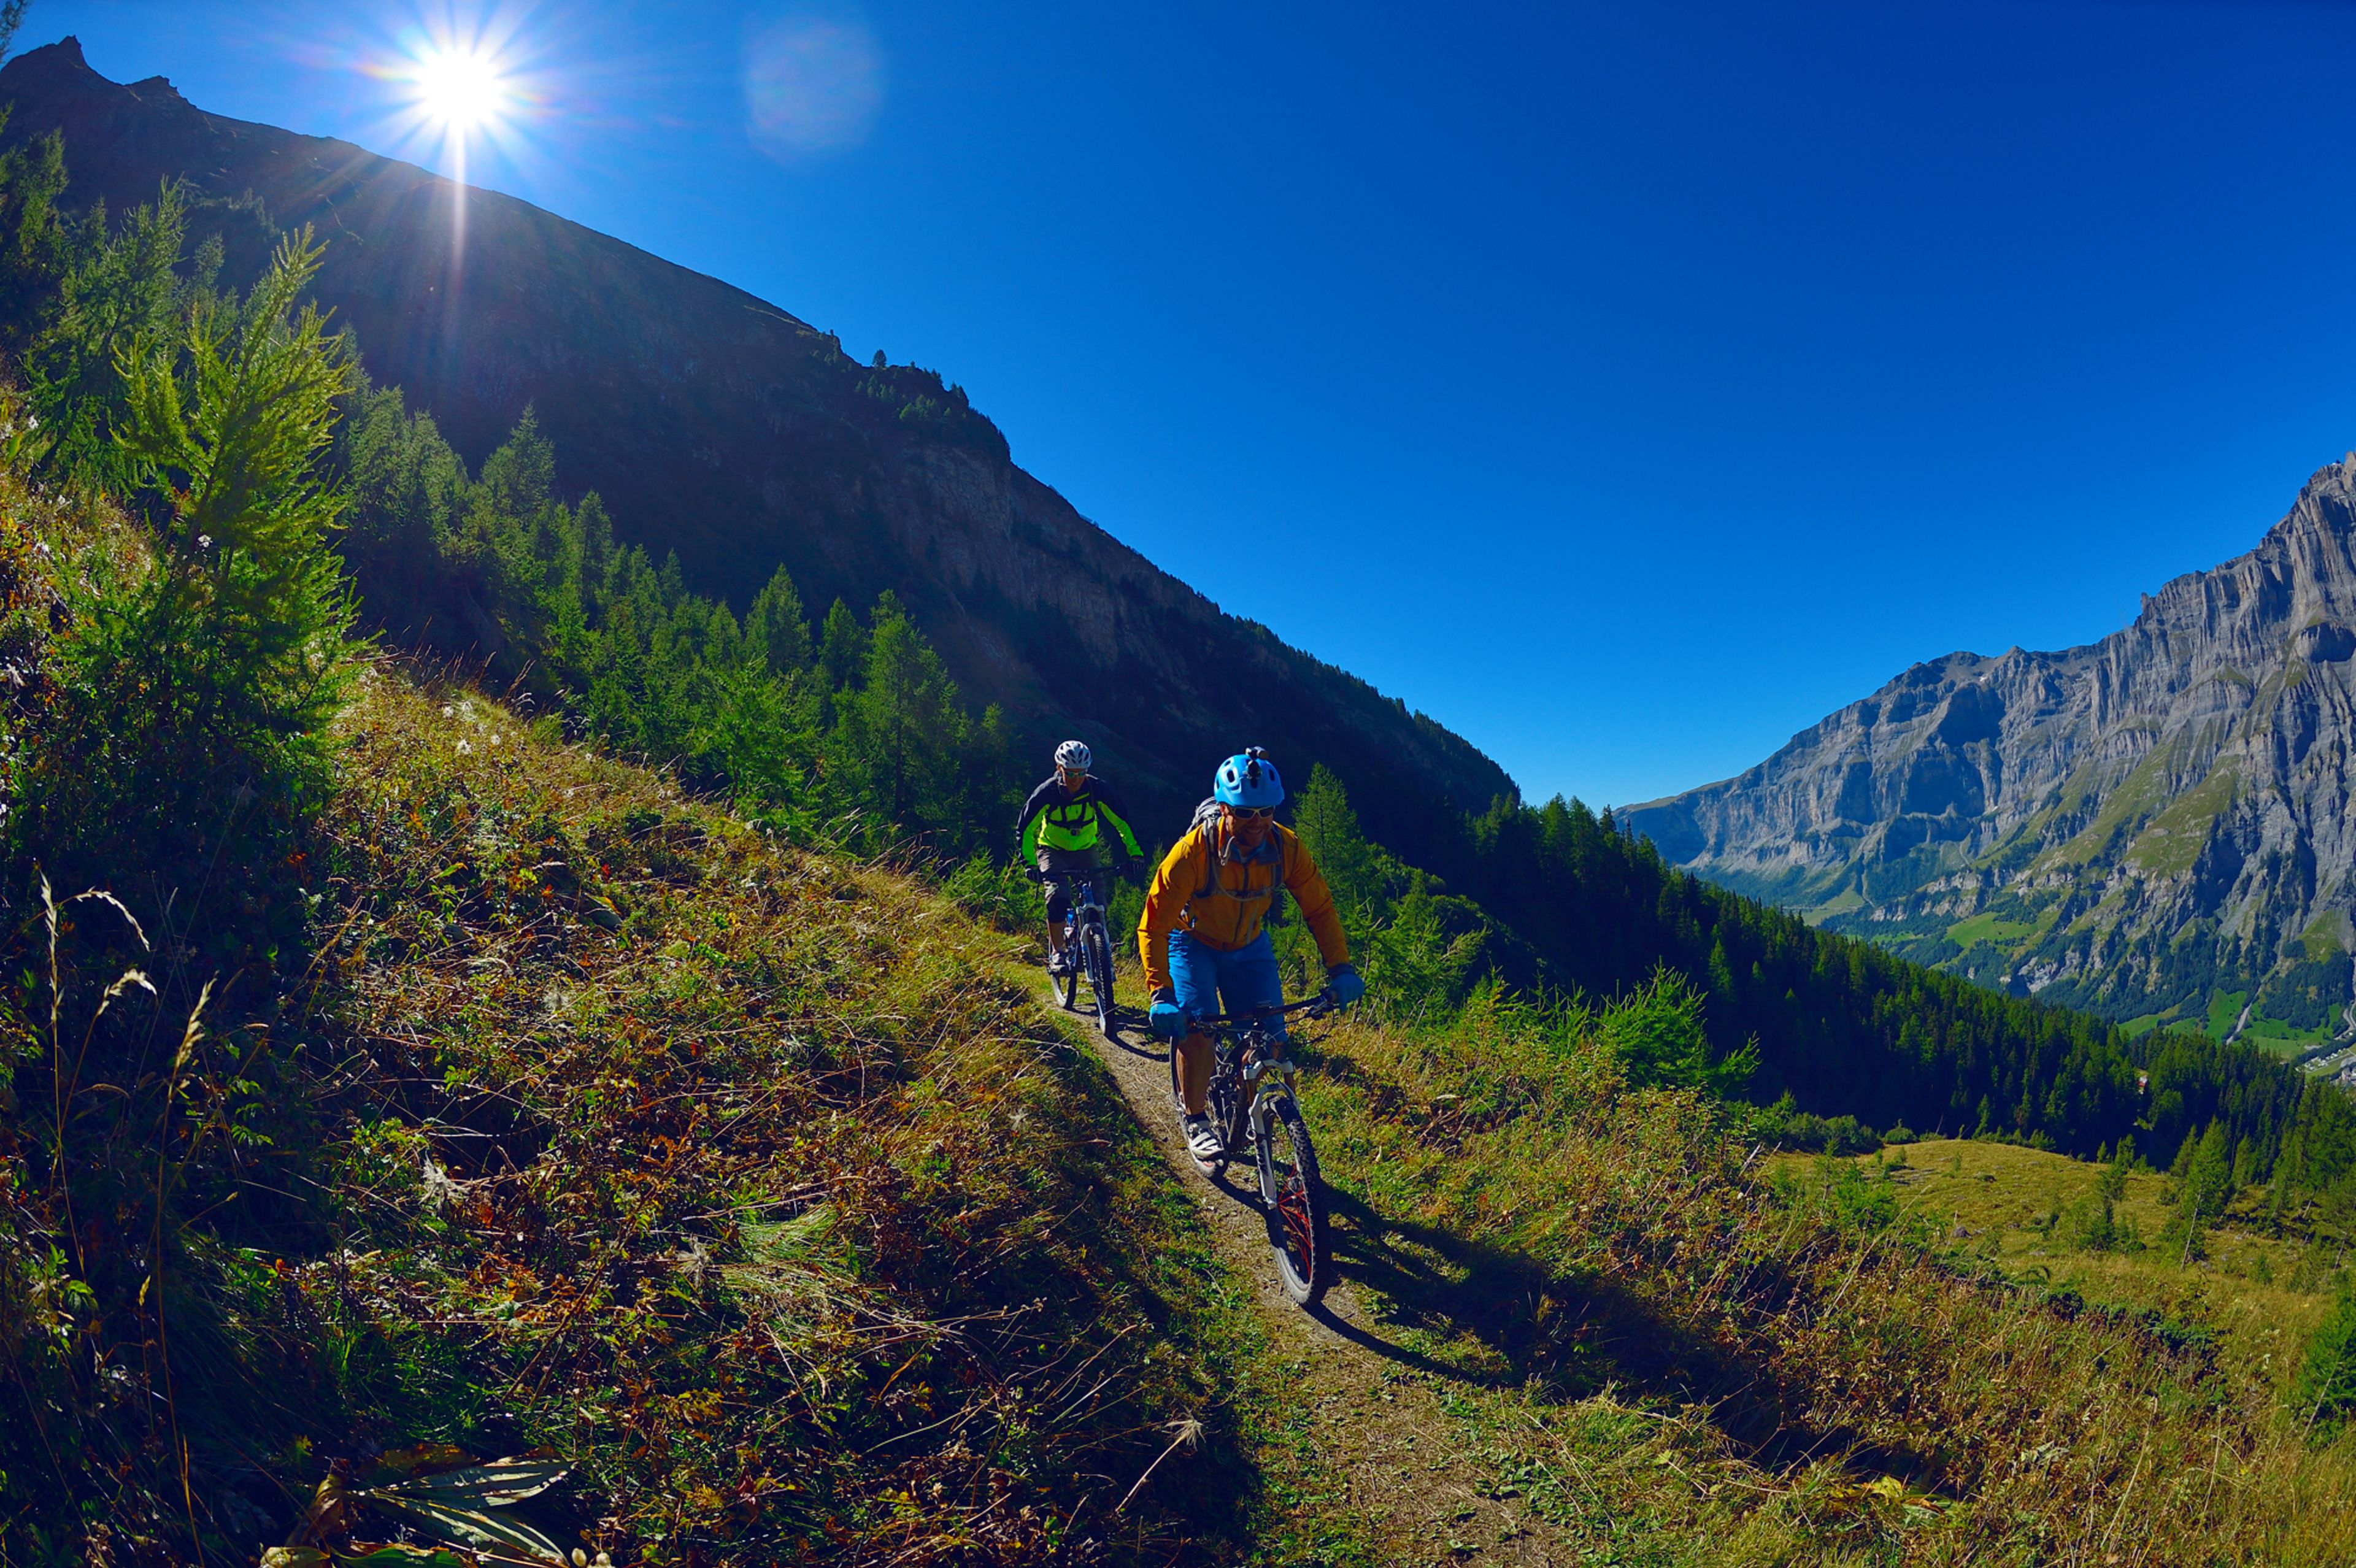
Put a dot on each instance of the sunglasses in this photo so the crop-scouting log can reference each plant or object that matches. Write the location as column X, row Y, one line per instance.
column 1257, row 813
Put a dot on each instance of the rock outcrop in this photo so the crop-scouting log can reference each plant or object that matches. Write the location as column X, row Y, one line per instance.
column 2158, row 824
column 720, row 426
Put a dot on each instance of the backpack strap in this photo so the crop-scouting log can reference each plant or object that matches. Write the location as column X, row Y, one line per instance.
column 1270, row 852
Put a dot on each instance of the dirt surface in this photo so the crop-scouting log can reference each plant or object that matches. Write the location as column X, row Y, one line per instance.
column 1375, row 1417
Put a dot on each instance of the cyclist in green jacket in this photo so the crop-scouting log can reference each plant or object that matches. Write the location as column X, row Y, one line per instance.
column 1061, row 830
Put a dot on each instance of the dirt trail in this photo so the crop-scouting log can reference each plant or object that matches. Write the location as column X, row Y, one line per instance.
column 1410, row 1481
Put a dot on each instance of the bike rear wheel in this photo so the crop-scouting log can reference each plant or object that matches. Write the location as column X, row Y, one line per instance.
column 1099, row 955
column 1293, row 1195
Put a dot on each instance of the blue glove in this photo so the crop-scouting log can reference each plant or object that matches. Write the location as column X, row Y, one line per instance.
column 1343, row 982
column 1167, row 1019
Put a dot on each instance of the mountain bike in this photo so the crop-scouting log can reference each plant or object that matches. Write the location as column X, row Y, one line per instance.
column 1251, row 1099
column 1088, row 948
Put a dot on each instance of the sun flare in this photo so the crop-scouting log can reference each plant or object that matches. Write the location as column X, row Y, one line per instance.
column 461, row 90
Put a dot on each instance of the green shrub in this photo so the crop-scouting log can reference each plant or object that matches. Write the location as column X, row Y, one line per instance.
column 2092, row 1226
column 1656, row 1031
column 198, row 668
column 1857, row 1201
column 1000, row 894
column 1783, row 1125
column 2324, row 1392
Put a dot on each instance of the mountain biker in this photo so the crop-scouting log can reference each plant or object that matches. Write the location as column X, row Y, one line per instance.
column 1203, row 933
column 1061, row 830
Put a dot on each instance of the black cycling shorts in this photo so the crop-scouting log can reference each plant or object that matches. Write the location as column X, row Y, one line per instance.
column 1058, row 903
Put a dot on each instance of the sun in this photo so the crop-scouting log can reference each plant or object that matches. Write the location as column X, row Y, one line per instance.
column 461, row 90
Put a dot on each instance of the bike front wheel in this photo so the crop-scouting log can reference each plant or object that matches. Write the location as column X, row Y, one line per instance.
column 1293, row 1197
column 1068, row 984
column 1099, row 957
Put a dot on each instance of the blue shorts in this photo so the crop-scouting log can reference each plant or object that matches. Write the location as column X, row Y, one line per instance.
column 1210, row 981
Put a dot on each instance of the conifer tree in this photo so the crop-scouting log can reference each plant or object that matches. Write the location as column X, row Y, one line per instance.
column 899, row 735
column 774, row 628
column 198, row 682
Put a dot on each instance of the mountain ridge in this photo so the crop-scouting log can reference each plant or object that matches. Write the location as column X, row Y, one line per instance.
column 2148, row 825
column 723, row 428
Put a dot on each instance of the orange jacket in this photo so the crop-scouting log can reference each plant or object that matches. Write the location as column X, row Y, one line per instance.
column 1229, row 916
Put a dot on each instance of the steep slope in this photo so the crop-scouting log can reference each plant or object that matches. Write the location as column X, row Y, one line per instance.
column 2154, row 825
column 720, row 426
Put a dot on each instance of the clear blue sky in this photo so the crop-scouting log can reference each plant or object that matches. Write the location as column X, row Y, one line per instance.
column 1625, row 385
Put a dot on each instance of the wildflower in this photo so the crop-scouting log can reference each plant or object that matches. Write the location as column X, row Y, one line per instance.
column 447, row 710
column 464, row 748
column 204, row 541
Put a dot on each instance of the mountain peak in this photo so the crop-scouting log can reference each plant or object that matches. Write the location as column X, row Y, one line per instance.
column 62, row 58
column 2136, row 826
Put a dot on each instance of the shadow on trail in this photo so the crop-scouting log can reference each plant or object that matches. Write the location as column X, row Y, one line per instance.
column 1494, row 1319
column 1150, row 1050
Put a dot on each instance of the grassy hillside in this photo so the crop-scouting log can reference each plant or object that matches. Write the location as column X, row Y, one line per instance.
column 590, row 1121
column 2263, row 1285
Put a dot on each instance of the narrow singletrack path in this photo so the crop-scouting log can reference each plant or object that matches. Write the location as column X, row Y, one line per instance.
column 1374, row 1407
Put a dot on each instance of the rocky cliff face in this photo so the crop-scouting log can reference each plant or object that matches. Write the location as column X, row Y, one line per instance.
column 717, row 425
column 2158, row 824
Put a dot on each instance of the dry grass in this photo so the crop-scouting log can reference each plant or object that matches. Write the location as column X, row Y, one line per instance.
column 728, row 1170
column 734, row 1176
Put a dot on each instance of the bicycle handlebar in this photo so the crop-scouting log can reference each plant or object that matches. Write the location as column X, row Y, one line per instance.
column 1324, row 1001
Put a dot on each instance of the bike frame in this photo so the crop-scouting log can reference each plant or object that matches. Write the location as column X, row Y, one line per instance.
column 1086, row 907
column 1266, row 1077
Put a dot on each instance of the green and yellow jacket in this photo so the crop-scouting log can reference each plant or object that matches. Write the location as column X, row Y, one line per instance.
column 1061, row 819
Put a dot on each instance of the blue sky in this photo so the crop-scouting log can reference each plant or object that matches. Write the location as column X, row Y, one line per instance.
column 1626, row 386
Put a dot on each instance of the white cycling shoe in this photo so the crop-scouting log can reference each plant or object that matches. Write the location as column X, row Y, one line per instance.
column 1201, row 1140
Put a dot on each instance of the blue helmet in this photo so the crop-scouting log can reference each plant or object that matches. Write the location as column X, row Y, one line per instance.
column 1248, row 778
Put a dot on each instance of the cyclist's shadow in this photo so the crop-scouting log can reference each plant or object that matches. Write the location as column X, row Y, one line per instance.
column 1566, row 1337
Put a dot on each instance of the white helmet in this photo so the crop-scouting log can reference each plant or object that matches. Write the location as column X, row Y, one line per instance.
column 1074, row 754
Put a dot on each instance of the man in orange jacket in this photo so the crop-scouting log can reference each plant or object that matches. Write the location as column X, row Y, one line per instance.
column 1203, row 935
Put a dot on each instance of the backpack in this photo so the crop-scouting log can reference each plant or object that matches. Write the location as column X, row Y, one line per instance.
column 1207, row 822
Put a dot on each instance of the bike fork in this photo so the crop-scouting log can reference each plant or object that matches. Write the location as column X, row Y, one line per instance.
column 1270, row 1088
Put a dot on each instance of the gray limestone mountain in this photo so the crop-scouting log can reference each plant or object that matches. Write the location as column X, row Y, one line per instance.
column 717, row 425
column 2156, row 827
